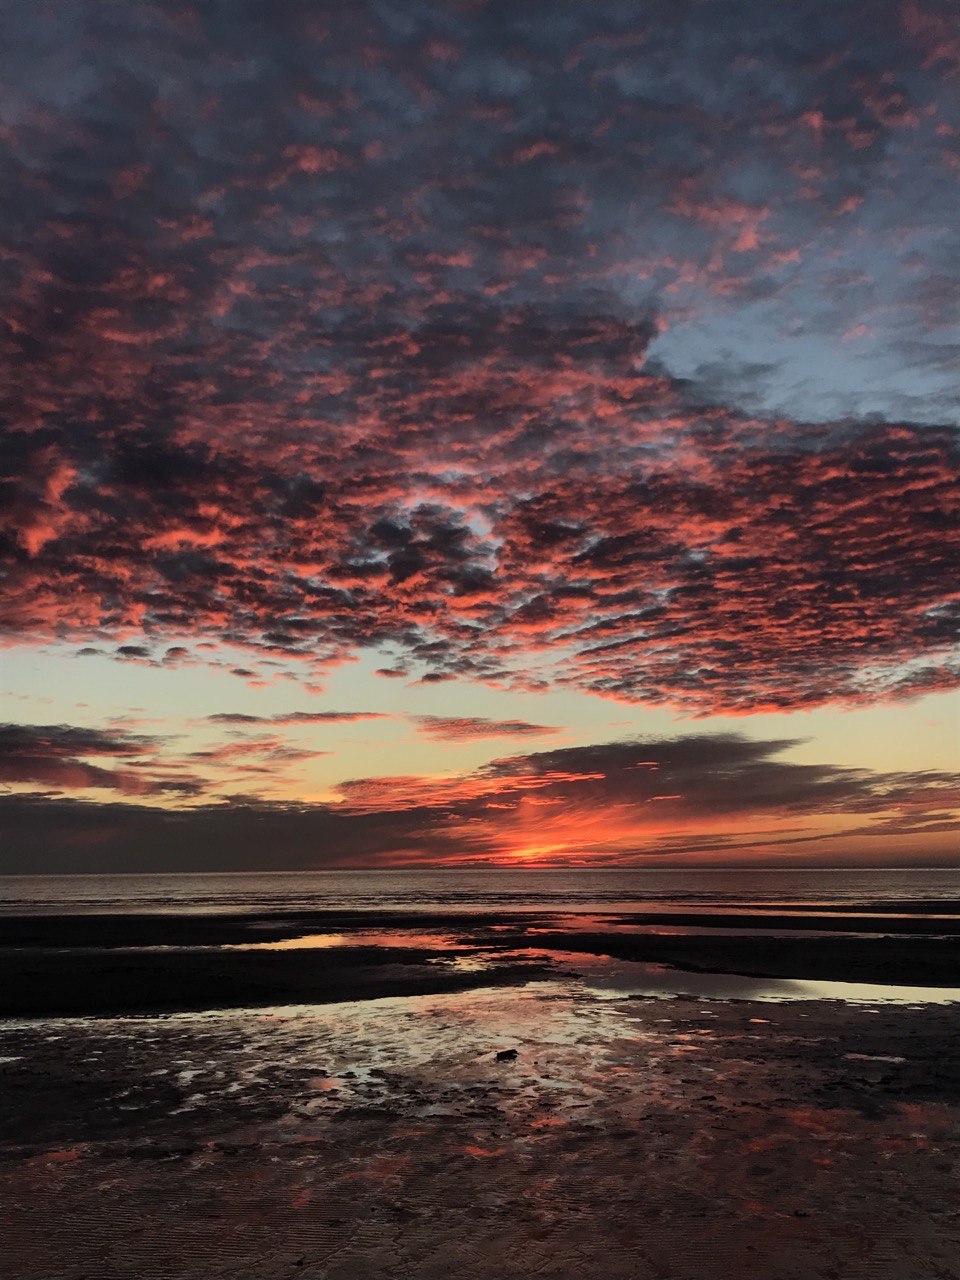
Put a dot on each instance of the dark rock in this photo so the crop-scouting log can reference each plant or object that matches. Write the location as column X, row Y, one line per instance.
column 507, row 1055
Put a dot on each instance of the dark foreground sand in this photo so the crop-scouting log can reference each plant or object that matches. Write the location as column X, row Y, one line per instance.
column 680, row 1138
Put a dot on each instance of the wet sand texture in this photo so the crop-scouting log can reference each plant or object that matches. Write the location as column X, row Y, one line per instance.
column 629, row 1139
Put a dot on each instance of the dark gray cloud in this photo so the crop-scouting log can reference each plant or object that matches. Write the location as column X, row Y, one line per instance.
column 58, row 756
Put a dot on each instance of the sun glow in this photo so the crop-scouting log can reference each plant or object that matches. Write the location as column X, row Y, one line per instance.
column 536, row 852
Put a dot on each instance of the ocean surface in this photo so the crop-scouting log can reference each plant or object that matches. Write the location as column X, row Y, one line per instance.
column 484, row 890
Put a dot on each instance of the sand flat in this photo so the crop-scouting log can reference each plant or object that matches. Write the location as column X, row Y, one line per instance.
column 104, row 965
column 631, row 1137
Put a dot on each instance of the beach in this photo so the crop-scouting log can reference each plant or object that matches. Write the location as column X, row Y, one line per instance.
column 629, row 1138
column 479, row 527
column 728, row 1085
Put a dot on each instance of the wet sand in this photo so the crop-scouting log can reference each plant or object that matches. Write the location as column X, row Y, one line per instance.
column 681, row 1138
column 317, row 1094
column 108, row 964
column 105, row 984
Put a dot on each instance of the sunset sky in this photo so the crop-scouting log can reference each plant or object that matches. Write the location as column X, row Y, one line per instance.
column 479, row 432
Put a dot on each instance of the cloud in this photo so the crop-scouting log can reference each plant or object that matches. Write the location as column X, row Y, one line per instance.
column 504, row 344
column 468, row 728
column 269, row 752
column 599, row 805
column 58, row 757
column 294, row 717
column 440, row 728
column 717, row 564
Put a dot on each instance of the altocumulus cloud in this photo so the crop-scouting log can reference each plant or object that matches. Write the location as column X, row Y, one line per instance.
column 347, row 328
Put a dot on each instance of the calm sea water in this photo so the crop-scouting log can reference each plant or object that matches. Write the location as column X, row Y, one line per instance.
column 473, row 890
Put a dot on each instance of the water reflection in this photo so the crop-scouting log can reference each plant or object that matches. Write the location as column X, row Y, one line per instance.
column 612, row 977
column 392, row 938
column 618, row 978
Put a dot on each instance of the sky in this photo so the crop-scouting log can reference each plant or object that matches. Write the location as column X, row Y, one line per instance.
column 479, row 433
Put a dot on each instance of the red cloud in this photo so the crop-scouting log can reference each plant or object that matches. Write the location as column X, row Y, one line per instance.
column 665, row 556
column 370, row 368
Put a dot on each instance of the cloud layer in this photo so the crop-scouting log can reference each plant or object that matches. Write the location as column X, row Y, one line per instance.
column 343, row 330
column 706, row 794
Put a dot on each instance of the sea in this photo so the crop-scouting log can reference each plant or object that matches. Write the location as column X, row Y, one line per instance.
column 579, row 890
